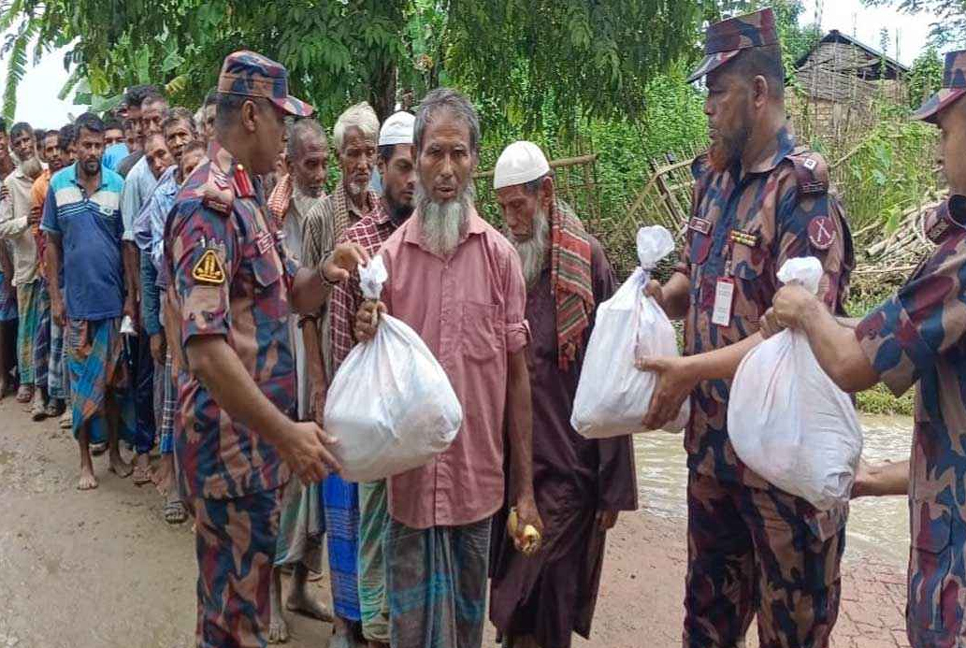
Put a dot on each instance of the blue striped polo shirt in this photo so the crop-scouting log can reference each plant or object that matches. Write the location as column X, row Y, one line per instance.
column 90, row 228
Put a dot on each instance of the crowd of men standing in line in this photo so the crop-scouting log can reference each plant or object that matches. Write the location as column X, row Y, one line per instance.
column 190, row 285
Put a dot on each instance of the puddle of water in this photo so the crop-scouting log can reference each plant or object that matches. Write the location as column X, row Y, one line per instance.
column 877, row 526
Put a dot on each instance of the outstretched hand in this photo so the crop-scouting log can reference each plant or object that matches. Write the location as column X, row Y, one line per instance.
column 343, row 261
column 675, row 382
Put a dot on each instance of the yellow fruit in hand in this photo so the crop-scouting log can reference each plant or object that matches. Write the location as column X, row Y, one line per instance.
column 530, row 541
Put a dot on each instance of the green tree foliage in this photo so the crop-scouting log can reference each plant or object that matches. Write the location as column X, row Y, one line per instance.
column 925, row 77
column 581, row 57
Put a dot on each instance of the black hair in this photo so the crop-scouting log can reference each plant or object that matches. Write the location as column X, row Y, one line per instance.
column 39, row 134
column 89, row 122
column 128, row 124
column 21, row 127
column 66, row 136
column 3, row 126
column 136, row 94
column 153, row 96
column 112, row 123
column 761, row 61
column 386, row 152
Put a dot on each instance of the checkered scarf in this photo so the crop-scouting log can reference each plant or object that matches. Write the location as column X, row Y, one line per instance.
column 281, row 196
column 570, row 276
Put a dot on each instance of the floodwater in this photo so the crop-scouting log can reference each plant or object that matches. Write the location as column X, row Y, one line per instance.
column 877, row 526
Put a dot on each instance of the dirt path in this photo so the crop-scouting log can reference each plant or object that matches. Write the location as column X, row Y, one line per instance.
column 101, row 570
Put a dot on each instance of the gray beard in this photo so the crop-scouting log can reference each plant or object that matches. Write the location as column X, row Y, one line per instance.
column 533, row 251
column 443, row 224
column 355, row 188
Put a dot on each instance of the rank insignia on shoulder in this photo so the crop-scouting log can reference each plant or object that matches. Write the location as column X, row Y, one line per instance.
column 217, row 198
column 243, row 182
column 822, row 233
column 701, row 225
column 209, row 269
column 744, row 238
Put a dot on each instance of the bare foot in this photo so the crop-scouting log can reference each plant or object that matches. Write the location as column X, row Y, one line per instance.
column 120, row 467
column 87, row 480
column 278, row 627
column 301, row 603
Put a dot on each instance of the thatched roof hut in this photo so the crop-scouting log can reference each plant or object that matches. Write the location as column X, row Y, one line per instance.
column 837, row 83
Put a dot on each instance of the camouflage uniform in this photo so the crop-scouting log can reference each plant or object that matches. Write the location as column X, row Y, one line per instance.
column 753, row 549
column 917, row 336
column 230, row 277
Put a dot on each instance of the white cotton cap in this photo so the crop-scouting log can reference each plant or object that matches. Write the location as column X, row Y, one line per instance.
column 398, row 129
column 520, row 162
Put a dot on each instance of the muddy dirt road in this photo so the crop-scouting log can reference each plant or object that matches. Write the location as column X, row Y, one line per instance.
column 101, row 569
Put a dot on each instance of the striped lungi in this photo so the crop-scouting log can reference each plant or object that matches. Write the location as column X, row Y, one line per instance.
column 373, row 528
column 437, row 584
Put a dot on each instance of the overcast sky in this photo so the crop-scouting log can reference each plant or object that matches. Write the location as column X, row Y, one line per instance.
column 37, row 95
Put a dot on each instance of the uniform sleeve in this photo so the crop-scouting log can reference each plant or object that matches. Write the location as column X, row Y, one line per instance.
column 905, row 336
column 811, row 225
column 517, row 328
column 204, row 248
column 48, row 222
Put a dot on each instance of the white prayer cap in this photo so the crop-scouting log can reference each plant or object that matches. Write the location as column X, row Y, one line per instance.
column 520, row 162
column 398, row 129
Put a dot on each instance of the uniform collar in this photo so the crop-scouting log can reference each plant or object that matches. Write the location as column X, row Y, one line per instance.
column 782, row 146
column 223, row 161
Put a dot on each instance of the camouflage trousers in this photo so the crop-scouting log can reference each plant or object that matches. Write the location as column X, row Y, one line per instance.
column 753, row 551
column 235, row 541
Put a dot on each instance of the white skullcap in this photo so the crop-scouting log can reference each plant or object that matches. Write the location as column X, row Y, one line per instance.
column 520, row 162
column 398, row 129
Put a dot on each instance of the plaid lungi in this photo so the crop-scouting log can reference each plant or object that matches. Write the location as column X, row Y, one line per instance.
column 41, row 346
column 8, row 300
column 95, row 364
column 28, row 295
column 341, row 499
column 300, row 527
column 169, row 403
column 437, row 584
column 373, row 528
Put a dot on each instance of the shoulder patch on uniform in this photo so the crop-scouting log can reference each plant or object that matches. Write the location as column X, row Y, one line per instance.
column 811, row 172
column 209, row 269
column 822, row 232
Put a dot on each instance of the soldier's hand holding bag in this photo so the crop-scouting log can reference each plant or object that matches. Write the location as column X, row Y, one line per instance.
column 390, row 405
column 613, row 395
column 787, row 420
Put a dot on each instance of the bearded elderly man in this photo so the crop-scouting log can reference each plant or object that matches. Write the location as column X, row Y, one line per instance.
column 540, row 601
column 457, row 282
column 16, row 221
column 302, row 522
column 354, row 136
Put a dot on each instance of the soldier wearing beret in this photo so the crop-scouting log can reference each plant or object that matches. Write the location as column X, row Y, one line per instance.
column 758, row 200
column 916, row 337
column 236, row 437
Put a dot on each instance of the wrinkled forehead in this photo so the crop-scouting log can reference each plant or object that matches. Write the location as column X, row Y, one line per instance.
column 447, row 129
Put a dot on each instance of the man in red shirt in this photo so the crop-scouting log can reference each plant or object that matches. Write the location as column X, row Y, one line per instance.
column 457, row 282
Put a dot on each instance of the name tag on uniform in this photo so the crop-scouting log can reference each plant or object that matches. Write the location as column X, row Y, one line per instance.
column 264, row 242
column 724, row 295
column 701, row 225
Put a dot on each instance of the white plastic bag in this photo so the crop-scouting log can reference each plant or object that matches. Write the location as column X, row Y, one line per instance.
column 613, row 395
column 787, row 420
column 390, row 404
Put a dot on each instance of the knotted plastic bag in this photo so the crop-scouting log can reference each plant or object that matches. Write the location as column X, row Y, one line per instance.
column 390, row 404
column 613, row 395
column 787, row 420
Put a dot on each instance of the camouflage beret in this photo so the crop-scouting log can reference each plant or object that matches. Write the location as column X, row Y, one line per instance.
column 954, row 86
column 725, row 39
column 252, row 75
